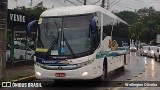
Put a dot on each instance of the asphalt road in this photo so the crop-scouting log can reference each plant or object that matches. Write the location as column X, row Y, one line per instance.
column 140, row 70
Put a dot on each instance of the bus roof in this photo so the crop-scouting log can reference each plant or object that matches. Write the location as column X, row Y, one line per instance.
column 77, row 10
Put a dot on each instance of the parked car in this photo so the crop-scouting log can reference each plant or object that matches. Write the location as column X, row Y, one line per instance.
column 151, row 51
column 140, row 45
column 133, row 48
column 21, row 52
column 157, row 54
column 144, row 51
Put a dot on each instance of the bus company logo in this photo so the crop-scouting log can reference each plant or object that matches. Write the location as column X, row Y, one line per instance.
column 6, row 84
column 64, row 62
column 59, row 68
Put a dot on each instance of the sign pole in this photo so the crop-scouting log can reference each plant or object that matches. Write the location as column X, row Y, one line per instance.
column 12, row 45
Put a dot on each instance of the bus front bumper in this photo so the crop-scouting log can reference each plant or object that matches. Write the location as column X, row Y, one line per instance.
column 87, row 72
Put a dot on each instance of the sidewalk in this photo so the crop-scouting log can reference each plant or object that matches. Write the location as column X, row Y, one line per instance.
column 17, row 72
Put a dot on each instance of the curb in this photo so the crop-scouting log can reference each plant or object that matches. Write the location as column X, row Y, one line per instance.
column 24, row 79
column 21, row 80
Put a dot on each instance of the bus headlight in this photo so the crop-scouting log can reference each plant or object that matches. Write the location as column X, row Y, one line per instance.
column 84, row 73
column 38, row 73
column 85, row 63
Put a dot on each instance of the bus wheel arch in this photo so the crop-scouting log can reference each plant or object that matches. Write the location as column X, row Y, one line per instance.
column 104, row 71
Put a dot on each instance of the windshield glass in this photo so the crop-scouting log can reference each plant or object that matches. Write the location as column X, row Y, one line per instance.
column 131, row 45
column 65, row 35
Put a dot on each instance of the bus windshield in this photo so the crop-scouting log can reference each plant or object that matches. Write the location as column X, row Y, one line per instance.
column 67, row 35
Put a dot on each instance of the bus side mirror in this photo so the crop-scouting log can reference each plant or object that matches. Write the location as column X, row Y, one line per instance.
column 93, row 25
column 30, row 26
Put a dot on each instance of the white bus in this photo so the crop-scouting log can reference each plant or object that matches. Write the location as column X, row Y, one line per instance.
column 72, row 43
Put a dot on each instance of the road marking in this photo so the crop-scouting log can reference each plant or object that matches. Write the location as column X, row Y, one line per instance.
column 24, row 78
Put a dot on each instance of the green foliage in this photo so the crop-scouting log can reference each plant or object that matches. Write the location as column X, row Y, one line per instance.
column 145, row 23
column 128, row 16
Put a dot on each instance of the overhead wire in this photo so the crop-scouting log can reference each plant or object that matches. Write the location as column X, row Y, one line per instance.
column 114, row 4
column 126, row 6
column 60, row 2
column 157, row 2
column 69, row 2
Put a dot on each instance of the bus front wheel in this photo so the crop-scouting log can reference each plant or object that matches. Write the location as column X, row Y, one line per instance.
column 104, row 72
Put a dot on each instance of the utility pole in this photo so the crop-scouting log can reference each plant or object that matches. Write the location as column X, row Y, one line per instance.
column 3, row 29
column 85, row 2
column 103, row 4
column 108, row 3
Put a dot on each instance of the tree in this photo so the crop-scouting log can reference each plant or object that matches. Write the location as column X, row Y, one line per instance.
column 146, row 10
column 145, row 23
column 128, row 16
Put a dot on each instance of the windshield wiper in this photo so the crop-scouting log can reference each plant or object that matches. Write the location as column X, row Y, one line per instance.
column 57, row 31
column 55, row 42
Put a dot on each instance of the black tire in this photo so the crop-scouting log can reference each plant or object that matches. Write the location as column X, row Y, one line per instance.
column 155, row 57
column 104, row 74
column 125, row 59
column 21, row 57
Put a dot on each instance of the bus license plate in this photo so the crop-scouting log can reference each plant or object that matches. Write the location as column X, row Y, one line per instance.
column 60, row 74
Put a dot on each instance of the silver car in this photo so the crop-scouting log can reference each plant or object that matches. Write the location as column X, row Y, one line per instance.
column 133, row 48
column 151, row 51
column 144, row 50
